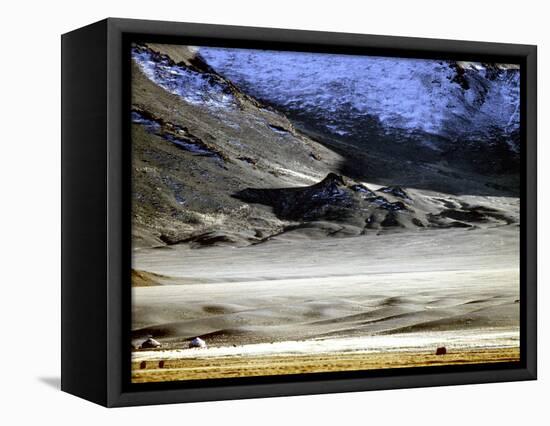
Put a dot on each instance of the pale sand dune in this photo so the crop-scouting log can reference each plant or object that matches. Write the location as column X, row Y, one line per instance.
column 286, row 257
column 454, row 283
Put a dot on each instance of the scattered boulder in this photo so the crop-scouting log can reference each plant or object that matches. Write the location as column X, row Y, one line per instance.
column 382, row 203
column 212, row 238
column 369, row 222
column 396, row 191
column 417, row 222
column 363, row 189
column 315, row 156
column 248, row 160
column 150, row 343
column 197, row 342
column 390, row 221
column 442, row 350
column 472, row 215
column 278, row 129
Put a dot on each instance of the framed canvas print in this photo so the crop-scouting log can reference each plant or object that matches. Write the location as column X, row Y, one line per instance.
column 253, row 212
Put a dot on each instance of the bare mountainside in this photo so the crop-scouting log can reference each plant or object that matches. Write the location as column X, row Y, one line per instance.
column 424, row 110
column 208, row 160
column 266, row 235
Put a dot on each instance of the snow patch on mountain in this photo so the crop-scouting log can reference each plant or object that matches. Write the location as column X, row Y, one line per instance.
column 194, row 87
column 445, row 99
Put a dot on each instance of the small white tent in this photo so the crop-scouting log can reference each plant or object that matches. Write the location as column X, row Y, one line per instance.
column 150, row 343
column 197, row 342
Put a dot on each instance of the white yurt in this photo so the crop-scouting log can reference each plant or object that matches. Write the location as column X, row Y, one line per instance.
column 197, row 342
column 150, row 343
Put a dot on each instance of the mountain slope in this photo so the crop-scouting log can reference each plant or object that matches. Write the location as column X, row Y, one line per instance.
column 435, row 110
column 214, row 166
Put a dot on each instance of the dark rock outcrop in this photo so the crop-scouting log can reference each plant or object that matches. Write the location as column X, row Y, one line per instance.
column 396, row 191
column 327, row 199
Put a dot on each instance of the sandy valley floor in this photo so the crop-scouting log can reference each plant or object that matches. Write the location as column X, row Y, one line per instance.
column 395, row 297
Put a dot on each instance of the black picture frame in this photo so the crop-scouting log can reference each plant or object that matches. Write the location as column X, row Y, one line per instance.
column 96, row 213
